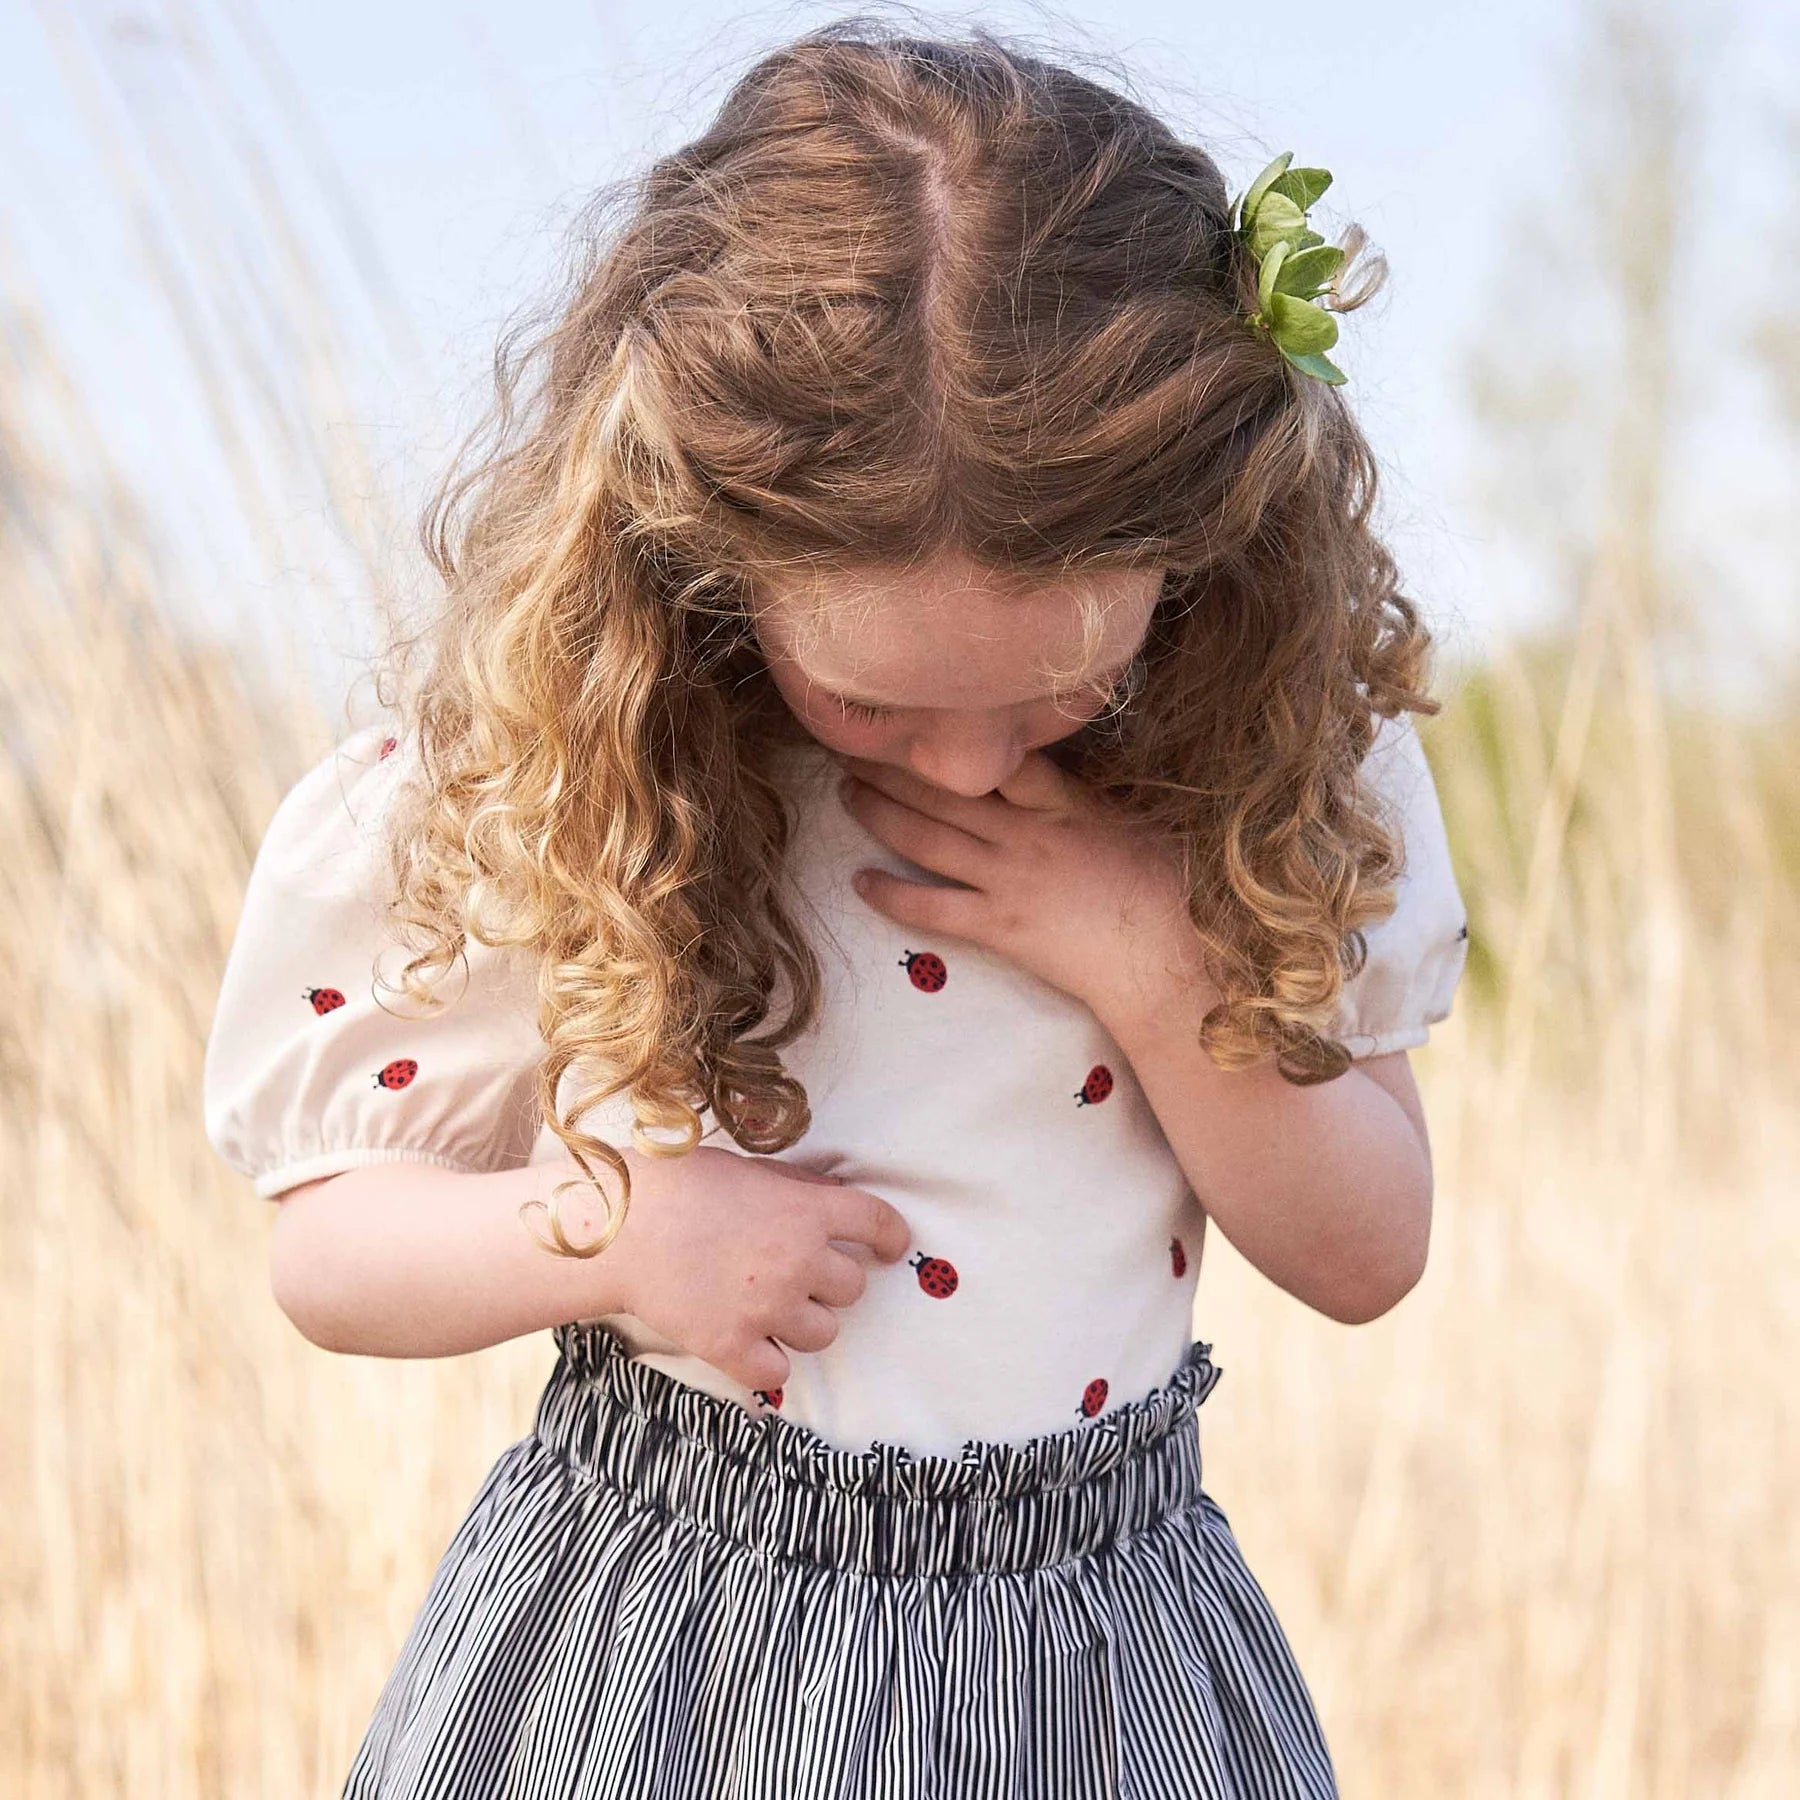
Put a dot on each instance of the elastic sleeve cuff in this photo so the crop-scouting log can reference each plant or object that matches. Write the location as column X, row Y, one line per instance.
column 1409, row 1037
column 272, row 1183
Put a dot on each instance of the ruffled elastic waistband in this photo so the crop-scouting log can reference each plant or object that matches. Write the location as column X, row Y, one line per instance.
column 776, row 1486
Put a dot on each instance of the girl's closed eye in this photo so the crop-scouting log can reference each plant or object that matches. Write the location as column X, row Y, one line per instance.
column 1107, row 691
column 855, row 709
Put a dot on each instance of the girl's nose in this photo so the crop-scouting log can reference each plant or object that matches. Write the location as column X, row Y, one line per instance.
column 969, row 769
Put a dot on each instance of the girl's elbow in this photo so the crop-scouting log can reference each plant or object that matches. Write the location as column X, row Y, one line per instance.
column 1380, row 1291
column 1374, row 1299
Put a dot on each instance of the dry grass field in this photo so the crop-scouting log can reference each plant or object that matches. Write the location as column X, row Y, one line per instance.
column 1532, row 1534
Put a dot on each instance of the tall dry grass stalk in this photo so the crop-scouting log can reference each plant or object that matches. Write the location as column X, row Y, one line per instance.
column 1531, row 1533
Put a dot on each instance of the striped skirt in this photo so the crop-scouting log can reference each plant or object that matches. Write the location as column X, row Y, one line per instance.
column 659, row 1596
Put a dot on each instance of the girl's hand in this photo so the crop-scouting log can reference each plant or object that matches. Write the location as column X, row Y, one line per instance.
column 1057, row 882
column 725, row 1254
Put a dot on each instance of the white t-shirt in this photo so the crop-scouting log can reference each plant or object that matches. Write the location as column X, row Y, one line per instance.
column 1055, row 1240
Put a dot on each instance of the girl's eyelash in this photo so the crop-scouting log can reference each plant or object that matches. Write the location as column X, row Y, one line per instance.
column 1107, row 691
column 856, row 710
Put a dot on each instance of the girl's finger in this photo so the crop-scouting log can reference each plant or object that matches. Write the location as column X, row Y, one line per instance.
column 764, row 1365
column 861, row 1217
column 981, row 816
column 923, row 837
column 941, row 911
column 1040, row 784
column 794, row 1172
column 839, row 1280
column 808, row 1326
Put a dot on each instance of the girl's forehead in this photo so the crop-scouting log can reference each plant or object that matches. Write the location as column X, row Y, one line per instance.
column 951, row 632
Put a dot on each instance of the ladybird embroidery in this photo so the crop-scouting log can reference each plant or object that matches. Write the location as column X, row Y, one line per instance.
column 1177, row 1257
column 926, row 970
column 1098, row 1085
column 323, row 1000
column 388, row 747
column 1093, row 1397
column 937, row 1277
column 769, row 1396
column 397, row 1074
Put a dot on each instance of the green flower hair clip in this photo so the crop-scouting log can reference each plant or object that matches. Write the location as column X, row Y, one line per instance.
column 1294, row 265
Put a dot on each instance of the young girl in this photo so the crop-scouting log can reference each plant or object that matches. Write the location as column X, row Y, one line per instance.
column 934, row 419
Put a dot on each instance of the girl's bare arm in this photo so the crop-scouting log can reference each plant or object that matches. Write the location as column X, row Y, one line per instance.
column 737, row 1259
column 1326, row 1189
column 410, row 1259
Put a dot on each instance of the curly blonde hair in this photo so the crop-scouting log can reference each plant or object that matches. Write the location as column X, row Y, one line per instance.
column 902, row 296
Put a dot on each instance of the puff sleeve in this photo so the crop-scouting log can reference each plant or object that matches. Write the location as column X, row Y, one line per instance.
column 308, row 1071
column 1418, row 952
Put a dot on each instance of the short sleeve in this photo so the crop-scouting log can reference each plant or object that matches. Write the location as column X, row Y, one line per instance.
column 1416, row 955
column 309, row 1070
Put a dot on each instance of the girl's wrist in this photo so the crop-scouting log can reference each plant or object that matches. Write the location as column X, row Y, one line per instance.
column 1162, row 986
column 575, row 1287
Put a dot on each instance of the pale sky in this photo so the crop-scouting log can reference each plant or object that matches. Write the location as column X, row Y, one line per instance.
column 430, row 153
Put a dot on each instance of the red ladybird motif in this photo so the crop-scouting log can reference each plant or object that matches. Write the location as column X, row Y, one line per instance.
column 1098, row 1085
column 769, row 1396
column 1093, row 1397
column 937, row 1277
column 1177, row 1257
column 398, row 1073
column 323, row 1000
column 388, row 747
column 926, row 970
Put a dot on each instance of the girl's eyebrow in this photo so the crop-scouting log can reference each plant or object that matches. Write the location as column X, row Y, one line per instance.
column 856, row 699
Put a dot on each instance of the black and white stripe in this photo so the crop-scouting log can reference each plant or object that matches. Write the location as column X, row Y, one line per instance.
column 658, row 1596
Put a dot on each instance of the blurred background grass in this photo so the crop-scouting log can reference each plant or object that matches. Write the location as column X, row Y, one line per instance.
column 1531, row 1534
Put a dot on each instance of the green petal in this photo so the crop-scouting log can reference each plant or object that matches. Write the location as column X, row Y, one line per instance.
column 1305, row 272
column 1275, row 218
column 1302, row 186
column 1254, row 193
column 1300, row 326
column 1320, row 366
column 1269, row 273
